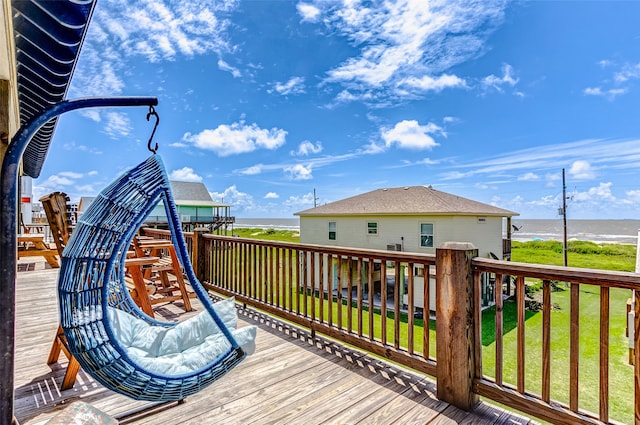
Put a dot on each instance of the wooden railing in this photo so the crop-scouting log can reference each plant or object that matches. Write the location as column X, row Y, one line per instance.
column 309, row 285
column 534, row 397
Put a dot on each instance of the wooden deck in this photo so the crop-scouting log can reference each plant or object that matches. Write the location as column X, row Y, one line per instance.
column 291, row 379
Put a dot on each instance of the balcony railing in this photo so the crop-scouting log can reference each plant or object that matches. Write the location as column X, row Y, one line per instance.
column 426, row 312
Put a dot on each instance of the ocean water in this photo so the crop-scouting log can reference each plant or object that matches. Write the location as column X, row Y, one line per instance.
column 269, row 223
column 601, row 231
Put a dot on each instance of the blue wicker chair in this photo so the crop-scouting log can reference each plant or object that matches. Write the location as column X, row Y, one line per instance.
column 93, row 298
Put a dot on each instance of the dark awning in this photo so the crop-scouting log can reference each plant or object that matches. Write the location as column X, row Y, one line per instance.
column 48, row 37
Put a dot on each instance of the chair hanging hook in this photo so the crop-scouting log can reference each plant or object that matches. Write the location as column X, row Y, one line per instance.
column 153, row 112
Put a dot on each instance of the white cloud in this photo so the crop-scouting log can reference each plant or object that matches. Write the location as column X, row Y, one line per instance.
column 299, row 172
column 581, row 170
column 599, row 193
column 295, row 85
column 407, row 42
column 271, row 195
column 154, row 31
column 253, row 170
column 409, row 134
column 70, row 174
column 551, row 179
column 185, row 174
column 305, row 200
column 529, row 177
column 240, row 201
column 92, row 114
column 57, row 180
column 497, row 83
column 117, row 124
column 428, row 83
column 628, row 72
column 305, row 148
column 633, row 195
column 308, row 12
column 224, row 66
column 72, row 146
column 237, row 138
column 607, row 94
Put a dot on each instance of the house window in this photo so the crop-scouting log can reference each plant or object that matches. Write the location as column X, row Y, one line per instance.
column 332, row 230
column 372, row 228
column 426, row 235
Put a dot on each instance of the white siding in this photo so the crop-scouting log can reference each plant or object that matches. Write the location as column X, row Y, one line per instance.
column 485, row 234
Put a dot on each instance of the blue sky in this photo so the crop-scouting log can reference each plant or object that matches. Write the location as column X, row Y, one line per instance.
column 265, row 101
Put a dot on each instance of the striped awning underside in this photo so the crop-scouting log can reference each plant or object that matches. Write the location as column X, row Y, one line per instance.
column 48, row 37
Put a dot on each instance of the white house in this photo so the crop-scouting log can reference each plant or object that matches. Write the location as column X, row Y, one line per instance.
column 412, row 218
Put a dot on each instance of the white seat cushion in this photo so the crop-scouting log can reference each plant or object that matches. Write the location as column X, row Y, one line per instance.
column 185, row 348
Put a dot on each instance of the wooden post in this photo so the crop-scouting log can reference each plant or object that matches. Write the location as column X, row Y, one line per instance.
column 455, row 339
column 198, row 252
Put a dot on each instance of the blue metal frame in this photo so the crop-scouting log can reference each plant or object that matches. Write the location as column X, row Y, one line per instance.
column 8, row 231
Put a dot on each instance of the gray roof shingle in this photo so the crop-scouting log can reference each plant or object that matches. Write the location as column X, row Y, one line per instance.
column 410, row 200
column 194, row 194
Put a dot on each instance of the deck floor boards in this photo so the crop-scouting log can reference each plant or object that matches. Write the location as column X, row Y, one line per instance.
column 291, row 379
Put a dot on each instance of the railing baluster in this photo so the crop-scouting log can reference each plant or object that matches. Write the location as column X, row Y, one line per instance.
column 304, row 274
column 236, row 266
column 339, row 291
column 546, row 340
column 383, row 302
column 244, row 248
column 359, row 295
column 574, row 346
column 290, row 282
column 269, row 274
column 254, row 271
column 321, row 287
column 315, row 269
column 477, row 321
column 259, row 264
column 276, row 276
column 520, row 325
column 636, row 355
column 349, row 294
column 499, row 329
column 604, row 354
column 426, row 311
column 370, row 286
column 410, row 310
column 330, row 263
column 298, row 284
column 396, row 306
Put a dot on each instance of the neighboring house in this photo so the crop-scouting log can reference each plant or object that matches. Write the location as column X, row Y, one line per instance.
column 194, row 204
column 414, row 219
column 195, row 207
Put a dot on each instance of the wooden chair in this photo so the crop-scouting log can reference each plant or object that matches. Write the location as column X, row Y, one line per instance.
column 58, row 214
column 59, row 218
column 55, row 208
column 165, row 273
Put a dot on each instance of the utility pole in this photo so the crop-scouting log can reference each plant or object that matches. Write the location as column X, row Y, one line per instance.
column 315, row 198
column 564, row 217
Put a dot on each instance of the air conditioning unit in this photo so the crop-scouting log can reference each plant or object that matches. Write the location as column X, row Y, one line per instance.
column 394, row 247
